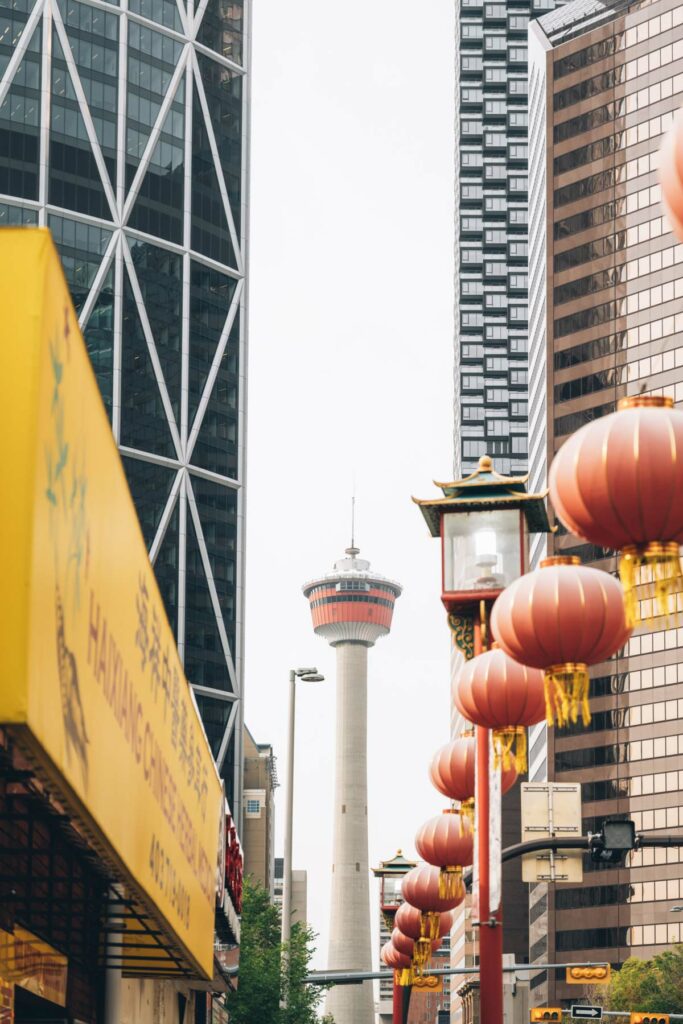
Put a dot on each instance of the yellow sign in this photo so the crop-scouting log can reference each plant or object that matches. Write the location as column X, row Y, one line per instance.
column 30, row 963
column 6, row 1001
column 599, row 975
column 427, row 983
column 89, row 671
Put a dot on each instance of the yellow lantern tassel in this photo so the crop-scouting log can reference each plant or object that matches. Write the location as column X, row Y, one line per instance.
column 421, row 952
column 429, row 924
column 466, row 811
column 566, row 691
column 661, row 563
column 404, row 977
column 450, row 882
column 504, row 740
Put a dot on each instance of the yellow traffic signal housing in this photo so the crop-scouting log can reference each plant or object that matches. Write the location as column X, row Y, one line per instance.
column 649, row 1018
column 599, row 975
column 545, row 1013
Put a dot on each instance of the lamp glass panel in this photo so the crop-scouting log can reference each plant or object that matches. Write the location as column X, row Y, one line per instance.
column 482, row 550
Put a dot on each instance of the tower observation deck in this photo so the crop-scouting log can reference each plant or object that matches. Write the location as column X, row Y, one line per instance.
column 351, row 607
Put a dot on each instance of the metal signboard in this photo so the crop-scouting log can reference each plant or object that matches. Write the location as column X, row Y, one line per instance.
column 586, row 1013
column 91, row 683
column 551, row 809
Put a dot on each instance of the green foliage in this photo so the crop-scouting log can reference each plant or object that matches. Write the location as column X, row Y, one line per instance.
column 262, row 981
column 655, row 984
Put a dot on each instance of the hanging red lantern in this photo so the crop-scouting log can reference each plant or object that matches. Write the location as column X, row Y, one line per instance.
column 420, row 888
column 408, row 919
column 562, row 618
column 618, row 482
column 452, row 773
column 671, row 175
column 402, row 965
column 391, row 956
column 419, row 950
column 447, row 842
column 498, row 693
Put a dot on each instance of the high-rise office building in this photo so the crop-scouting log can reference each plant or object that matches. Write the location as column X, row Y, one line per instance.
column 606, row 279
column 491, row 249
column 123, row 128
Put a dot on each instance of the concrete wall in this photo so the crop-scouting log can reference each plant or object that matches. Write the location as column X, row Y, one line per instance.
column 144, row 1001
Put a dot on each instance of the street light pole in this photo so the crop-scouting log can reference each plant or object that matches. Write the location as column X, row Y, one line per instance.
column 289, row 815
column 309, row 675
column 483, row 523
column 490, row 926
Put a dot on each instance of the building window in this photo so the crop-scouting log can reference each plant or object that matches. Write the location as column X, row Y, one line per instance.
column 253, row 808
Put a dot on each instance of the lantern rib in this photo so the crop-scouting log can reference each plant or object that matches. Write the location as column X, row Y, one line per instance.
column 615, row 510
column 527, row 697
column 584, row 606
column 636, row 459
column 672, row 490
column 605, row 611
column 487, row 701
column 571, row 520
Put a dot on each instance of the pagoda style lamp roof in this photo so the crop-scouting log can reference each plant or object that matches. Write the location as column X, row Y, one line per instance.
column 486, row 490
column 398, row 865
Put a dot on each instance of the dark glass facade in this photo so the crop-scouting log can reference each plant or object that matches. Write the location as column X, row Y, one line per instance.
column 491, row 301
column 123, row 129
column 609, row 284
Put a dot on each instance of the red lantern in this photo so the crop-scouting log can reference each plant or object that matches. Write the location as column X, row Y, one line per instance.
column 390, row 956
column 452, row 773
column 671, row 175
column 618, row 482
column 402, row 965
column 447, row 842
column 408, row 919
column 420, row 888
column 498, row 693
column 419, row 950
column 562, row 618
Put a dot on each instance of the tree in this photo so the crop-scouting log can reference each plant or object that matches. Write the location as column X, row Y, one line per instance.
column 655, row 984
column 261, row 984
column 303, row 1000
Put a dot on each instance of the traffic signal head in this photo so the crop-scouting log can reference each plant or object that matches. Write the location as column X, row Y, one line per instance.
column 613, row 842
column 545, row 1013
column 649, row 1018
column 599, row 975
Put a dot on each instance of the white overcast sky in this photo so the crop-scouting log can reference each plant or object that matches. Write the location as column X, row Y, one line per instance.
column 350, row 375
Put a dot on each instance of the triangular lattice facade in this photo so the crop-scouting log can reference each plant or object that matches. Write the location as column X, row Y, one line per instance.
column 123, row 129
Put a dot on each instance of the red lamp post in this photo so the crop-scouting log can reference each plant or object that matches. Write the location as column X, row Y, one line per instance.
column 483, row 522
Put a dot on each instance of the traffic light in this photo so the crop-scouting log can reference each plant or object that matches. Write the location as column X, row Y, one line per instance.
column 649, row 1018
column 599, row 975
column 613, row 842
column 545, row 1013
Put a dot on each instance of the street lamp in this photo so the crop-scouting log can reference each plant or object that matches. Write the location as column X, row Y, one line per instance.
column 483, row 522
column 308, row 675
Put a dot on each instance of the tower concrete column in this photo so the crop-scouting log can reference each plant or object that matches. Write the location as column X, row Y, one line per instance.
column 350, row 944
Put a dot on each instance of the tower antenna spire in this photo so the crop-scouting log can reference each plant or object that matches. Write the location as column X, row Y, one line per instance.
column 353, row 550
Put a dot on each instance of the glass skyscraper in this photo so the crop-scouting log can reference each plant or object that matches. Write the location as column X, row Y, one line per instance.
column 491, row 304
column 123, row 128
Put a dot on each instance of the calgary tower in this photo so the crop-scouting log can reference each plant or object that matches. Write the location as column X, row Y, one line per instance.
column 351, row 607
